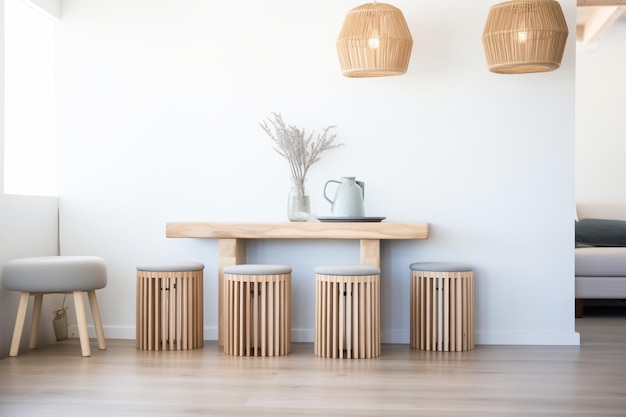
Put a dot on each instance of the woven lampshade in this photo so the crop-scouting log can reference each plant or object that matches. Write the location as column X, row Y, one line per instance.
column 374, row 42
column 523, row 36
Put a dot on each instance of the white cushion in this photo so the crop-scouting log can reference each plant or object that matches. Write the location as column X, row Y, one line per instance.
column 347, row 270
column 171, row 267
column 600, row 262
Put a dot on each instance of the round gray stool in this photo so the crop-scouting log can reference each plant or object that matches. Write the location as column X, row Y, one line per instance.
column 442, row 306
column 50, row 275
column 347, row 311
column 170, row 306
column 257, row 314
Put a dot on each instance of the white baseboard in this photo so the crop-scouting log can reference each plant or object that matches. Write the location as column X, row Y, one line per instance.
column 528, row 338
column 389, row 336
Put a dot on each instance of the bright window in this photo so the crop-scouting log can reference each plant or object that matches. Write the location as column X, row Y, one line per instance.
column 29, row 130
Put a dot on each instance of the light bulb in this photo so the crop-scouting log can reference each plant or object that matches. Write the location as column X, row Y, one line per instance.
column 374, row 39
column 522, row 37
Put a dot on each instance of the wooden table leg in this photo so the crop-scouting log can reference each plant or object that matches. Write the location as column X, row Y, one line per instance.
column 230, row 252
column 370, row 252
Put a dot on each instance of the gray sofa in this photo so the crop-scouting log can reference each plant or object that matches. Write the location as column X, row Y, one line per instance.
column 600, row 265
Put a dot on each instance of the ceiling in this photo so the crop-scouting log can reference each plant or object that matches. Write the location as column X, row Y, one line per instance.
column 594, row 17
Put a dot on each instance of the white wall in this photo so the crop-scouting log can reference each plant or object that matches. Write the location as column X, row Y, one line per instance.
column 600, row 130
column 50, row 8
column 159, row 104
column 28, row 227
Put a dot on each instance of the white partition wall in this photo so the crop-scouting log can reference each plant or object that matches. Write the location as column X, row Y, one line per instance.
column 28, row 227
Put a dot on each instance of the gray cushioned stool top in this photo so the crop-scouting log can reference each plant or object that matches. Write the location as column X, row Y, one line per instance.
column 257, row 269
column 441, row 267
column 55, row 274
column 348, row 270
column 171, row 267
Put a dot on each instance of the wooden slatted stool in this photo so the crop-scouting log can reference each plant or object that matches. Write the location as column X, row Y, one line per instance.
column 347, row 311
column 170, row 306
column 442, row 306
column 257, row 310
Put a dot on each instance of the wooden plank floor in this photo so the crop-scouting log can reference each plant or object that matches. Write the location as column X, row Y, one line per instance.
column 490, row 381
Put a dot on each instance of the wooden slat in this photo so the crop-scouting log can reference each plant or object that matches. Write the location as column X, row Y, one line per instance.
column 349, row 318
column 460, row 311
column 341, row 317
column 332, row 334
column 153, row 322
column 454, row 312
column 169, row 314
column 429, row 313
column 139, row 317
column 369, row 311
column 266, row 320
column 445, row 294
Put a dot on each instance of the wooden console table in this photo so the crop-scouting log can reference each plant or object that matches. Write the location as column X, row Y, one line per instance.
column 232, row 240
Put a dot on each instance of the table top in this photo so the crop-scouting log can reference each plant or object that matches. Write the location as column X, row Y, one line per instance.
column 297, row 230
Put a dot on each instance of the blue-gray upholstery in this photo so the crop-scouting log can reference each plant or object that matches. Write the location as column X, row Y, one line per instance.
column 257, row 269
column 347, row 270
column 441, row 267
column 171, row 267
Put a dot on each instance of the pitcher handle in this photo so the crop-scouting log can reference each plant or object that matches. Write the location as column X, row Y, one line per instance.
column 326, row 185
column 362, row 185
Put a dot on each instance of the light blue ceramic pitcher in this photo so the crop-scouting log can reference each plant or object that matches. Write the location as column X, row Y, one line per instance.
column 349, row 196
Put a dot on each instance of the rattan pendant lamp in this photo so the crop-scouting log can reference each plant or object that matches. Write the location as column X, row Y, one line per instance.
column 523, row 36
column 374, row 42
